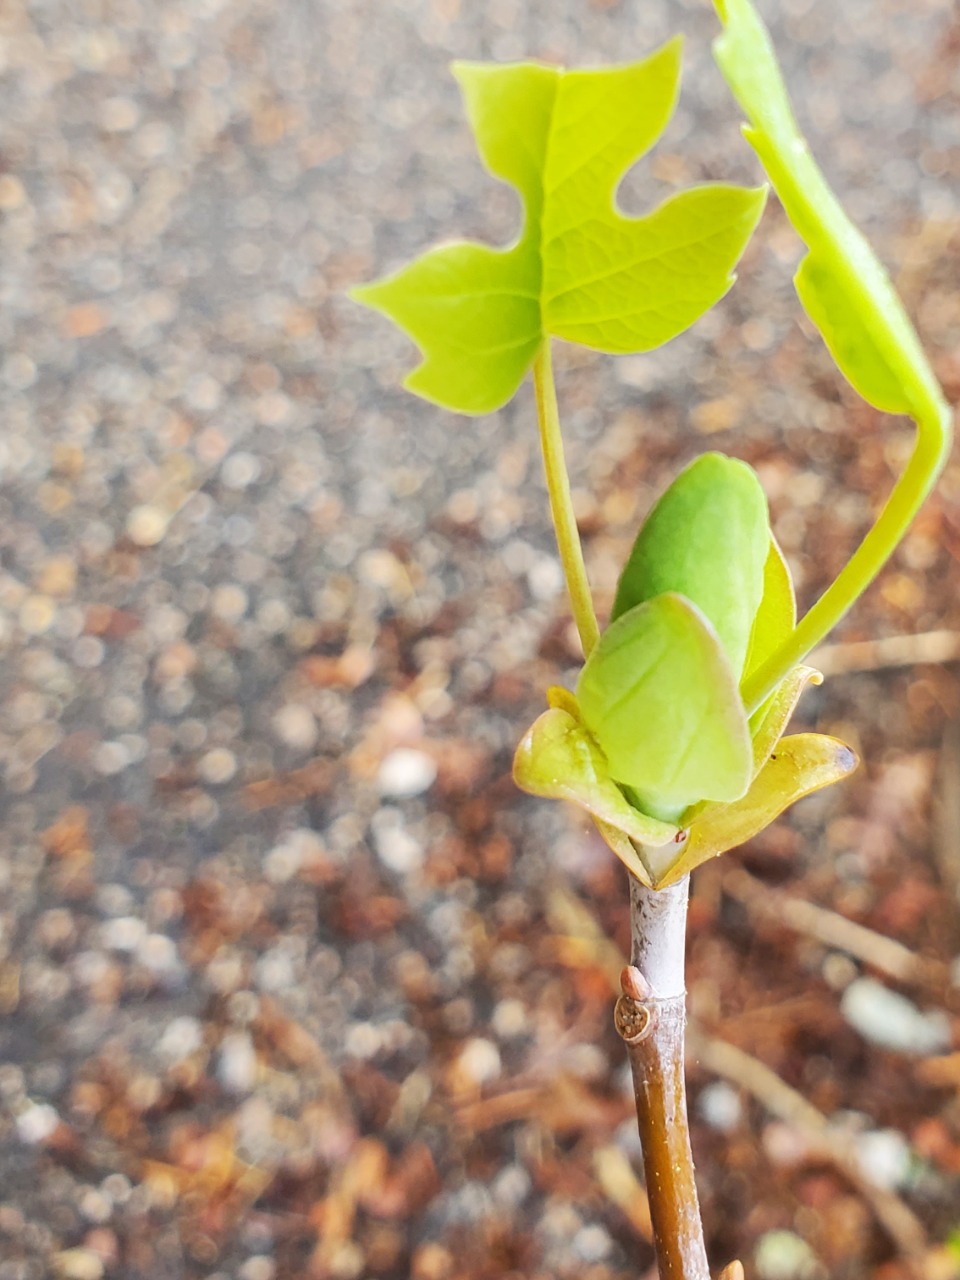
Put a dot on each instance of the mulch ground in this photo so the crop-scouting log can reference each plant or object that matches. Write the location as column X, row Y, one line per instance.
column 293, row 981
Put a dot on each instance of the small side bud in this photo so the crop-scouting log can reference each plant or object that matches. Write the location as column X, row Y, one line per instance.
column 634, row 1014
column 732, row 1271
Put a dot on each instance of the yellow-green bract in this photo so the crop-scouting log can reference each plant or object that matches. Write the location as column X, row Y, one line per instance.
column 580, row 269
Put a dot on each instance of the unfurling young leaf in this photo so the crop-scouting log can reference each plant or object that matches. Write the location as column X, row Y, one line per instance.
column 659, row 696
column 580, row 269
column 850, row 299
column 708, row 538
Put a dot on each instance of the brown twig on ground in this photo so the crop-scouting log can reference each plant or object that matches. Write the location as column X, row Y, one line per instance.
column 945, row 815
column 833, row 930
column 776, row 1096
column 929, row 647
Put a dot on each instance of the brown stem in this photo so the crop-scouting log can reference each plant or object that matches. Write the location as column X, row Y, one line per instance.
column 651, row 1016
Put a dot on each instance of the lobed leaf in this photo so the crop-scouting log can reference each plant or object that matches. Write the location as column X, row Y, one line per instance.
column 580, row 270
column 707, row 538
column 658, row 695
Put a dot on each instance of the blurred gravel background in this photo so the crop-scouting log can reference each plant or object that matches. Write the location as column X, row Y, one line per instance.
column 292, row 982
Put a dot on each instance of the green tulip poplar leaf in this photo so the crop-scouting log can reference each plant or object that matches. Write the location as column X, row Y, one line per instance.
column 777, row 615
column 801, row 764
column 842, row 286
column 658, row 695
column 708, row 538
column 580, row 269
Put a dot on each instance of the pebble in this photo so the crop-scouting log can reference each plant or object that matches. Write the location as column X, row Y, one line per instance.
column 398, row 850
column 125, row 933
column 37, row 1123
column 885, row 1157
column 362, row 1040
column 111, row 758
column 37, row 614
column 275, row 971
column 217, row 767
column 237, row 1063
column 158, row 953
column 783, row 1255
column 240, row 470
column 593, row 1242
column 510, row 1018
column 78, row 1264
column 891, row 1021
column 296, row 727
column 479, row 1060
column 258, row 1268
column 720, row 1106
column 229, row 602
column 405, row 773
column 183, row 1036
column 511, row 1186
column 147, row 524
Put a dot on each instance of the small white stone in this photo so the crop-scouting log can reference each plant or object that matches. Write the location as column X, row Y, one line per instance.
column 545, row 578
column 397, row 849
column 884, row 1156
column 511, row 1186
column 510, row 1019
column 274, row 970
column 274, row 617
column 284, row 860
column 111, row 758
column 78, row 1264
column 592, row 1243
column 37, row 1123
column 237, row 1063
column 783, row 1255
column 182, row 1037
column 406, row 772
column 295, row 726
column 229, row 602
column 720, row 1106
column 147, row 524
column 158, row 953
column 125, row 933
column 480, row 1060
column 95, row 1206
column 586, row 1061
column 217, row 767
column 363, row 1040
column 890, row 1020
column 239, row 470
column 258, row 1268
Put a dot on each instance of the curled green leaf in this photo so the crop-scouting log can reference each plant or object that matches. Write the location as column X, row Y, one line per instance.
column 659, row 697
column 580, row 269
column 777, row 615
column 707, row 538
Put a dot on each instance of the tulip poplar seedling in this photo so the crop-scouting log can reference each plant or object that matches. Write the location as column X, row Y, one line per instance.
column 673, row 739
